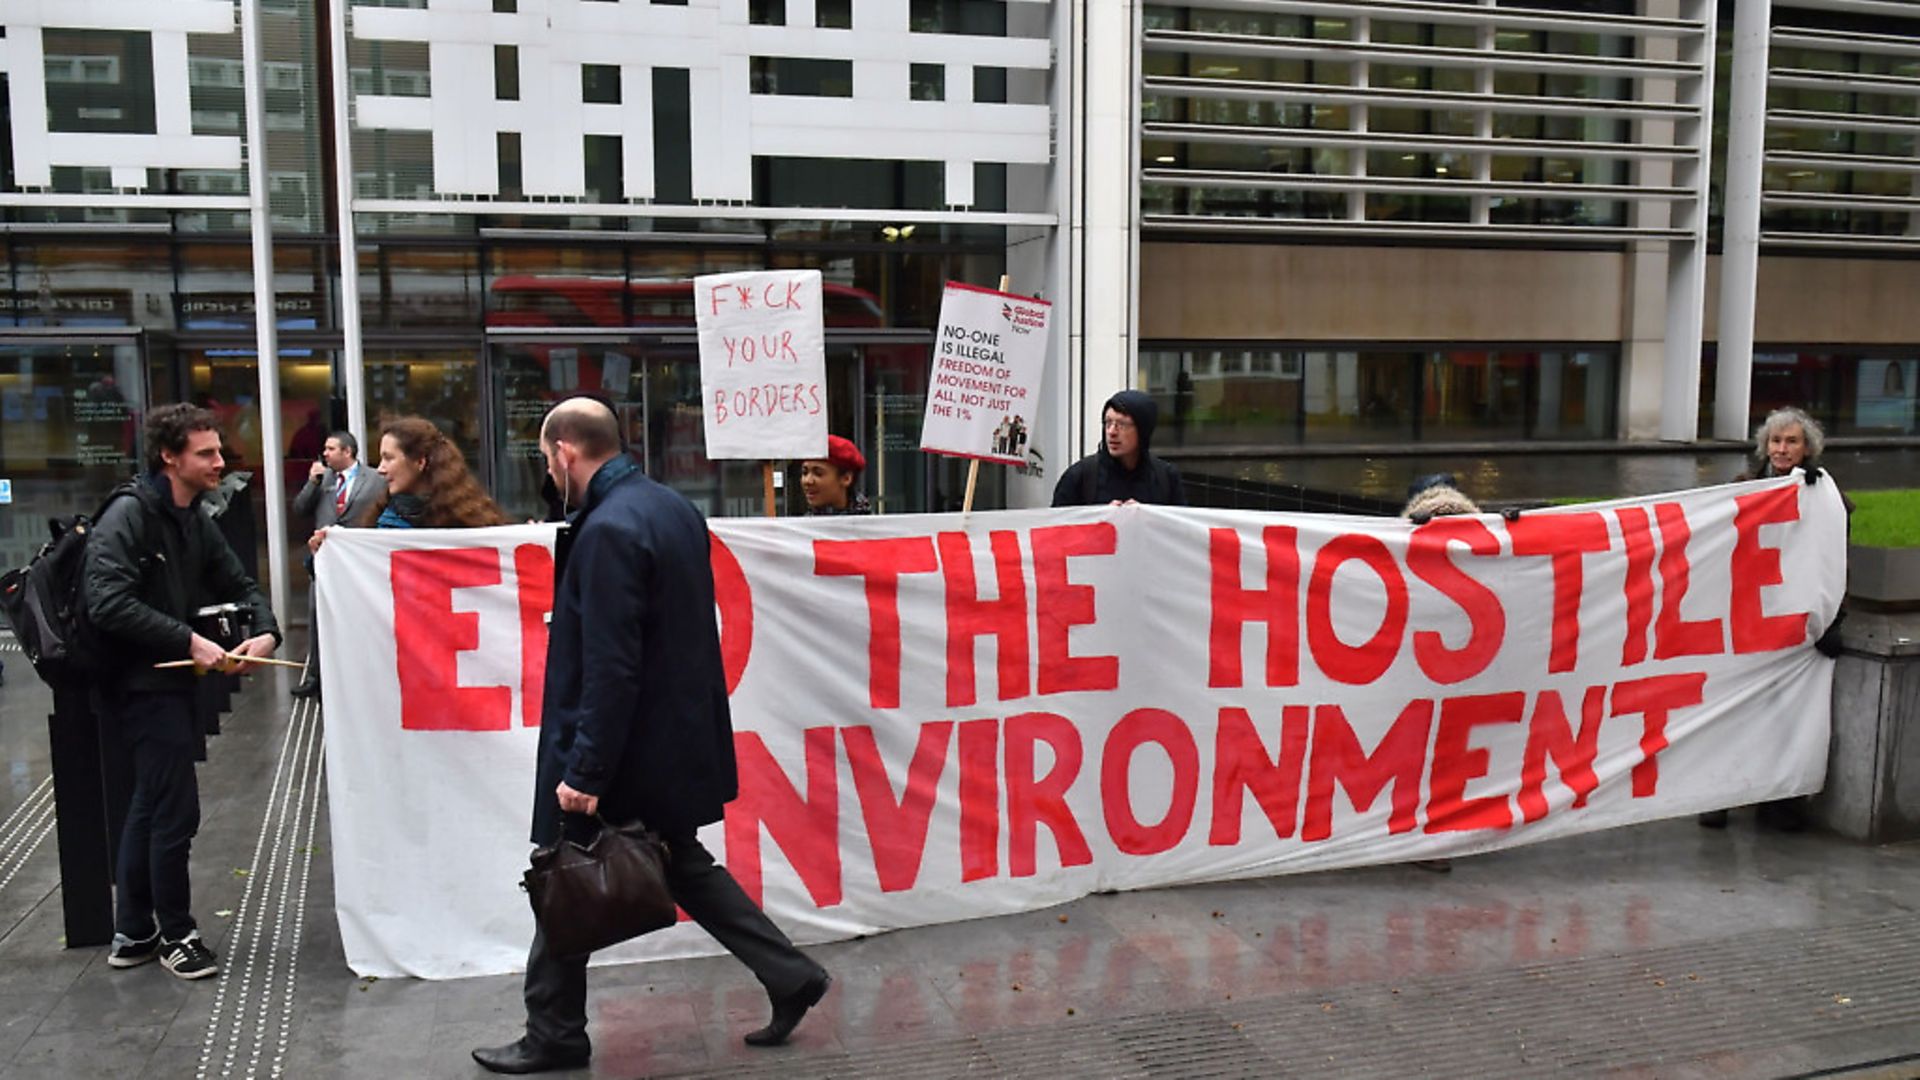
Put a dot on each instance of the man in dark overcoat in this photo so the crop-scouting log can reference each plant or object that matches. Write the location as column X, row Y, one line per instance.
column 635, row 725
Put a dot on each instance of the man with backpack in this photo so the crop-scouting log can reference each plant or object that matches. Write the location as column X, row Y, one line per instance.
column 152, row 561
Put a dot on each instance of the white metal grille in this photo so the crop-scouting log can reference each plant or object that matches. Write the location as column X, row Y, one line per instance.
column 1842, row 157
column 1425, row 118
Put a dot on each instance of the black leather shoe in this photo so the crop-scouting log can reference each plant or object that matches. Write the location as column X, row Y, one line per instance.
column 788, row 1010
column 307, row 687
column 526, row 1056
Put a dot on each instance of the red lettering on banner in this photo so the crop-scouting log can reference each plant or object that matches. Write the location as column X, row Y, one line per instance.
column 1399, row 759
column 1240, row 765
column 427, row 657
column 1061, row 606
column 1032, row 801
column 533, row 571
column 1355, row 665
column 969, row 617
column 1672, row 635
column 979, row 799
column 1170, row 733
column 1655, row 698
column 897, row 830
column 1428, row 558
column 1549, row 735
column 1638, row 533
column 1277, row 605
column 807, row 829
column 1456, row 761
column 1755, row 567
column 880, row 562
column 1566, row 537
column 733, row 599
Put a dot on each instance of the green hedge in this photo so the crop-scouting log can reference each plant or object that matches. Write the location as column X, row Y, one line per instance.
column 1889, row 519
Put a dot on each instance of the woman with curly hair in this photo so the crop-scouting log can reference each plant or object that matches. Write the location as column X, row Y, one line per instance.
column 428, row 485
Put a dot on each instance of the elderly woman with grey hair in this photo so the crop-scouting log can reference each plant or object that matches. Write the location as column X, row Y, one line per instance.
column 1786, row 440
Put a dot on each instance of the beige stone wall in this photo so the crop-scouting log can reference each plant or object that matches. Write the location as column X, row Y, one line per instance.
column 1327, row 293
column 1301, row 292
column 1830, row 301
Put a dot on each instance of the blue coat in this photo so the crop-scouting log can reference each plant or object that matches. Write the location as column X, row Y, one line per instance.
column 635, row 707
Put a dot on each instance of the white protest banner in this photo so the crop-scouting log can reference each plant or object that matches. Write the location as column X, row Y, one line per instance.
column 763, row 363
column 987, row 359
column 1024, row 707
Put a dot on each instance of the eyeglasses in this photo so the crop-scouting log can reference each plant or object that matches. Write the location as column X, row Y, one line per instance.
column 1117, row 423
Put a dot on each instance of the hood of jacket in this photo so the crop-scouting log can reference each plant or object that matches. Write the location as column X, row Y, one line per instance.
column 1139, row 408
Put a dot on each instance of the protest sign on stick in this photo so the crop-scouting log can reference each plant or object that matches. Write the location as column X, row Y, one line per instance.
column 987, row 358
column 763, row 367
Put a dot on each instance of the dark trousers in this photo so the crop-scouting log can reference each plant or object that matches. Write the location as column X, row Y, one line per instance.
column 161, row 733
column 556, row 988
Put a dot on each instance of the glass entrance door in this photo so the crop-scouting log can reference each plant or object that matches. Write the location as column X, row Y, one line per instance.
column 70, row 416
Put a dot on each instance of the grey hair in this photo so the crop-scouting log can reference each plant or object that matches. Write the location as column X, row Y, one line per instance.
column 1779, row 419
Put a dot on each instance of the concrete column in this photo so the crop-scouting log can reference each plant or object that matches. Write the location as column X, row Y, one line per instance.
column 1740, row 245
column 1037, row 258
column 1644, row 335
column 1687, row 258
column 1103, row 215
column 1357, row 123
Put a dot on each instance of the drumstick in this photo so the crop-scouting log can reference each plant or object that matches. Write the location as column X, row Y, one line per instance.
column 237, row 658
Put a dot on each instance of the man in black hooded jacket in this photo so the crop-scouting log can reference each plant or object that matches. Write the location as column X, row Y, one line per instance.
column 1125, row 469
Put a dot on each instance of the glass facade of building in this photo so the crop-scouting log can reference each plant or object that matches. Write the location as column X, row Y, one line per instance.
column 476, row 320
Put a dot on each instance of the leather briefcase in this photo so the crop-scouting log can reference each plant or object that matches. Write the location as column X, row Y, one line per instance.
column 588, row 897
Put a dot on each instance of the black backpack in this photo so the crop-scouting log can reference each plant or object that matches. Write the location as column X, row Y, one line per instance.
column 45, row 601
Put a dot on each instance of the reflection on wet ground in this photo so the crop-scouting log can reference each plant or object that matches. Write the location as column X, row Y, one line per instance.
column 1544, row 477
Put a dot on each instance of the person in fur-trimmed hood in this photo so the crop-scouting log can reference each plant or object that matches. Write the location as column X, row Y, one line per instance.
column 1435, row 496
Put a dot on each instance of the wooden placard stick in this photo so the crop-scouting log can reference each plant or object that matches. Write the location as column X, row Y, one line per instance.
column 766, row 487
column 295, row 664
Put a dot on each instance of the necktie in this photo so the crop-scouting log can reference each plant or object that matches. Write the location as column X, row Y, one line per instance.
column 340, row 495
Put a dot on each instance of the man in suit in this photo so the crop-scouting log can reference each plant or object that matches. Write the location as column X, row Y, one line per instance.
column 635, row 725
column 338, row 492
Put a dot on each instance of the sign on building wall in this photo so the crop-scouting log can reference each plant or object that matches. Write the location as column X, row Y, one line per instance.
column 987, row 360
column 763, row 364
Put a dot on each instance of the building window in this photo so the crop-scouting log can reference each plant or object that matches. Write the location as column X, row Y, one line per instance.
column 1241, row 395
column 603, row 168
column 927, row 82
column 506, row 145
column 833, row 14
column 506, row 73
column 990, row 85
column 99, row 81
column 767, row 12
column 600, row 84
column 787, row 75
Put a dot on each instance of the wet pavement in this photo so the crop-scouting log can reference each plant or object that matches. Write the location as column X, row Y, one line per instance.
column 1663, row 950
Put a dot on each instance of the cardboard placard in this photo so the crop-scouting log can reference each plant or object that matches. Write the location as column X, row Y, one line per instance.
column 987, row 360
column 763, row 364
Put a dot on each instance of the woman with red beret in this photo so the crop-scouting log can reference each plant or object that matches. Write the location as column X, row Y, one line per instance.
column 828, row 483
